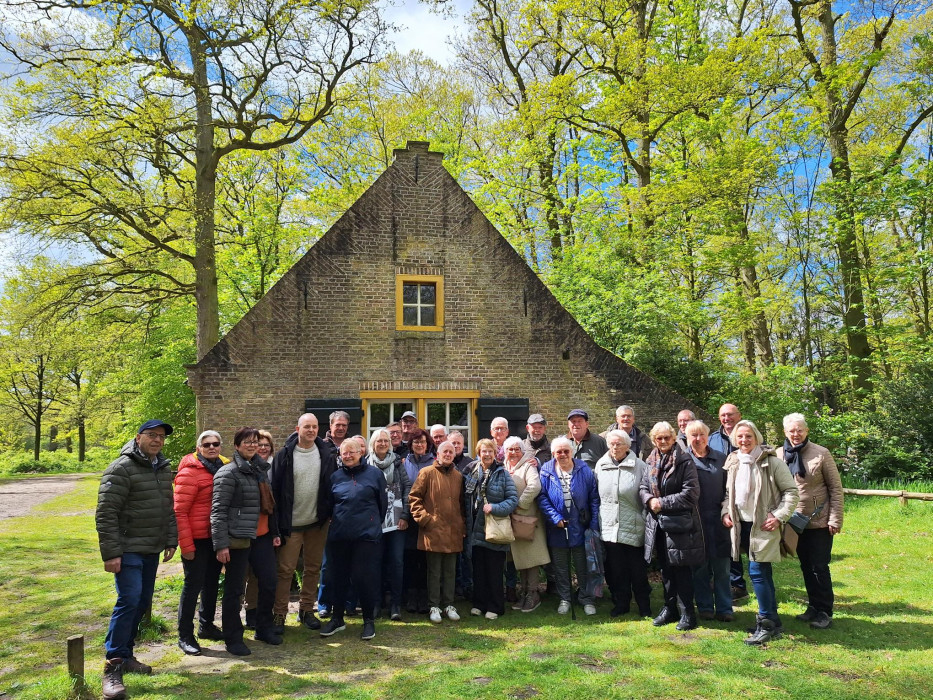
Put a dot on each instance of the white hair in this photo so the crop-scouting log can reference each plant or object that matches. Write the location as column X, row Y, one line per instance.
column 792, row 418
column 622, row 435
column 696, row 426
column 512, row 441
column 561, row 440
column 209, row 433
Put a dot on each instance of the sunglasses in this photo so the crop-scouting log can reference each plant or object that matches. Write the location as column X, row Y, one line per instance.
column 210, row 444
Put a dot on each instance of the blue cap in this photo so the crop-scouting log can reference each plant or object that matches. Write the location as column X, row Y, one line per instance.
column 155, row 423
column 578, row 412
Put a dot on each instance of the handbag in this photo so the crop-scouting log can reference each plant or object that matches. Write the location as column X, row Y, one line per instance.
column 524, row 526
column 498, row 529
column 798, row 521
column 676, row 523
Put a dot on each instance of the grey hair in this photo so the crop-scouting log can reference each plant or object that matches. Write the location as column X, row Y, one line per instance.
column 625, row 407
column 751, row 426
column 437, row 425
column 693, row 416
column 513, row 440
column 661, row 427
column 560, row 440
column 375, row 436
column 338, row 414
column 697, row 426
column 622, row 435
column 792, row 418
column 209, row 433
column 499, row 419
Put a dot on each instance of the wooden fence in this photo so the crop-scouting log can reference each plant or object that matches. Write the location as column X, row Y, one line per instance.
column 902, row 496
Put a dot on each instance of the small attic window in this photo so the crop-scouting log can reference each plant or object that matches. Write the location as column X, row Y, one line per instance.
column 419, row 303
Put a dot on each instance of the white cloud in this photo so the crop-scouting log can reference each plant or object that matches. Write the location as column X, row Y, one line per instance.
column 424, row 30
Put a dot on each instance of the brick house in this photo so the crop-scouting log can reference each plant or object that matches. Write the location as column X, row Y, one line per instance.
column 414, row 301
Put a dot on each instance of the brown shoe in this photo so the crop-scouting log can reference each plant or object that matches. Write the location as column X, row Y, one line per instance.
column 134, row 665
column 113, row 680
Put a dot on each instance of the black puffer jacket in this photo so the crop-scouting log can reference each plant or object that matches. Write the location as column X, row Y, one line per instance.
column 679, row 490
column 135, row 510
column 283, row 483
column 235, row 502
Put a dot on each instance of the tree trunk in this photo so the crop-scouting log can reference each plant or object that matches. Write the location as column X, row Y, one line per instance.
column 751, row 290
column 205, row 262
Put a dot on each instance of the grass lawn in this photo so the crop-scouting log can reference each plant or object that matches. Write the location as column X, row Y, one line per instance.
column 52, row 585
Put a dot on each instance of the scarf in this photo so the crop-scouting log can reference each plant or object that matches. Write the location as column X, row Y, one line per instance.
column 792, row 457
column 746, row 482
column 212, row 465
column 635, row 434
column 386, row 464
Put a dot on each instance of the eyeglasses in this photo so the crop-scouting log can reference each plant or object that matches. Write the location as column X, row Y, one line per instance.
column 154, row 436
column 210, row 444
column 250, row 442
column 265, row 445
column 562, row 452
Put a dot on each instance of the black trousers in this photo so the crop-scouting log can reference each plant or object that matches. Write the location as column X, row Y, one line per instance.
column 678, row 580
column 261, row 557
column 202, row 579
column 737, row 575
column 488, row 568
column 627, row 574
column 359, row 561
column 814, row 549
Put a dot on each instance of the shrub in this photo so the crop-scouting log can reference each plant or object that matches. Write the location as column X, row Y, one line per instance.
column 58, row 462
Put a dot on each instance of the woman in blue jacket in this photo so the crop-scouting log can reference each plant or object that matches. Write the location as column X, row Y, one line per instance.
column 569, row 501
column 354, row 540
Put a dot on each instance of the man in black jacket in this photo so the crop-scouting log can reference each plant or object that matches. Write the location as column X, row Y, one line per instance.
column 135, row 522
column 301, row 475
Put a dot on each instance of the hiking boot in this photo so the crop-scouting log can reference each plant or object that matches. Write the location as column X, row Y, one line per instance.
column 134, row 665
column 764, row 633
column 532, row 601
column 807, row 615
column 208, row 630
column 665, row 617
column 112, row 681
column 189, row 645
column 268, row 636
column 822, row 621
column 333, row 626
column 238, row 648
column 435, row 615
column 687, row 622
column 369, row 630
column 278, row 624
column 309, row 620
column 451, row 612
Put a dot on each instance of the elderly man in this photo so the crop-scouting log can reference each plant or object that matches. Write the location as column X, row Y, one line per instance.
column 684, row 417
column 625, row 420
column 462, row 460
column 587, row 446
column 438, row 434
column 536, row 443
column 499, row 430
column 135, row 522
column 339, row 425
column 720, row 441
column 301, row 475
column 395, row 435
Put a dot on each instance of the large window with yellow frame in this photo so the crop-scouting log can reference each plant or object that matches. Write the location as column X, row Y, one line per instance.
column 453, row 410
column 419, row 303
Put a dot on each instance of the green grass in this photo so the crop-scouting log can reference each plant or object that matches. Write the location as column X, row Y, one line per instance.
column 52, row 585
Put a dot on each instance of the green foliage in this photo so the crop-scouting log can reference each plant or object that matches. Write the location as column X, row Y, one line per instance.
column 58, row 462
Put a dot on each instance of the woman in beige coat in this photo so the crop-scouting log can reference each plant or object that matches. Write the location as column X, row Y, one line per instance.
column 527, row 555
column 760, row 497
column 820, row 487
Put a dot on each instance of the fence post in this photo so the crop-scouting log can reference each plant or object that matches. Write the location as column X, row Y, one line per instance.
column 76, row 663
column 903, row 498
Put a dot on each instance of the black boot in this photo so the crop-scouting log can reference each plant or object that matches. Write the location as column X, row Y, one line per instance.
column 189, row 645
column 665, row 617
column 688, row 621
column 208, row 630
column 268, row 635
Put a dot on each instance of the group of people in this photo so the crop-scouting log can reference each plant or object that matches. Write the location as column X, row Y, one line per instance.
column 408, row 520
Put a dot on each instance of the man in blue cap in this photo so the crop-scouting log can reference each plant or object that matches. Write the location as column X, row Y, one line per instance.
column 586, row 445
column 135, row 523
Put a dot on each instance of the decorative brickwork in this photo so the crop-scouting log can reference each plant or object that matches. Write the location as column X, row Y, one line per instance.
column 327, row 328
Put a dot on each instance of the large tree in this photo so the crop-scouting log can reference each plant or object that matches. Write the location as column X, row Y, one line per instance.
column 163, row 91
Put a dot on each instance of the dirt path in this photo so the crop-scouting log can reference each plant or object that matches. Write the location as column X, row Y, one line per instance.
column 20, row 497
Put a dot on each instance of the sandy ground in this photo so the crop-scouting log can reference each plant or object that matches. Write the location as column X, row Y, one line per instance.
column 20, row 497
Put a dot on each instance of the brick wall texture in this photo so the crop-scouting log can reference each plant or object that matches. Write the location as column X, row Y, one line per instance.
column 327, row 328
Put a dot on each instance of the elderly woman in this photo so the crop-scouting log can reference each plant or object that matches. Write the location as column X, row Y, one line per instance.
column 569, row 502
column 266, row 451
column 712, row 602
column 244, row 535
column 670, row 491
column 194, row 486
column 397, row 517
column 496, row 496
column 760, row 497
column 820, row 489
column 619, row 474
column 354, row 539
column 420, row 456
column 527, row 555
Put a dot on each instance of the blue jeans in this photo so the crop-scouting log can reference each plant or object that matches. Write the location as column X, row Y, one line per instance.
column 393, row 561
column 135, row 584
column 717, row 570
column 762, row 581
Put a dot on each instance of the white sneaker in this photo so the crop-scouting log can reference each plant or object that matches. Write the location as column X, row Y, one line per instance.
column 564, row 607
column 589, row 609
column 491, row 616
column 451, row 613
column 435, row 615
column 476, row 611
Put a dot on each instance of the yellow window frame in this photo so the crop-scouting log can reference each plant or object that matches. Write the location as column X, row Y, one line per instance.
column 438, row 282
column 421, row 399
